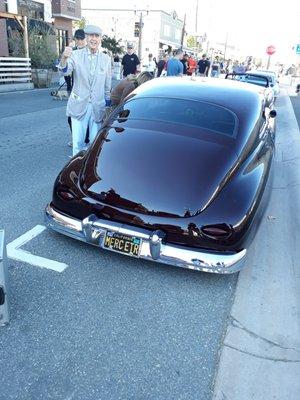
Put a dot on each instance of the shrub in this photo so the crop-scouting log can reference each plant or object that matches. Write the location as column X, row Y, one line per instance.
column 41, row 48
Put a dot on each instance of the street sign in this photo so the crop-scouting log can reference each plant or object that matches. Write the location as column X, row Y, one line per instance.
column 298, row 48
column 270, row 50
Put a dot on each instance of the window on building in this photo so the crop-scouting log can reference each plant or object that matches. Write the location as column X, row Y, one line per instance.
column 31, row 9
column 6, row 5
column 167, row 30
column 178, row 34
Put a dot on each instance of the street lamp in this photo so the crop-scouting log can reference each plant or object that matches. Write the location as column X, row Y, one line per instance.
column 225, row 46
column 196, row 18
column 115, row 21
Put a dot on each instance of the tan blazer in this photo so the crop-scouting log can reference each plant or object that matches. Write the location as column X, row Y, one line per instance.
column 84, row 91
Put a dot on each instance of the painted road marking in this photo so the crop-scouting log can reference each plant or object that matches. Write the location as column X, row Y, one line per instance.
column 14, row 252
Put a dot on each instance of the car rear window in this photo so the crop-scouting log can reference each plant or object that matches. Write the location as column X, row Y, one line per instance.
column 254, row 79
column 181, row 111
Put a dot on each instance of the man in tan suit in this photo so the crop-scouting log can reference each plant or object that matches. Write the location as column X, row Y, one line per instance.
column 91, row 87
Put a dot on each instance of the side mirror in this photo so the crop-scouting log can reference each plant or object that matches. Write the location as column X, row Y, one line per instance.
column 272, row 114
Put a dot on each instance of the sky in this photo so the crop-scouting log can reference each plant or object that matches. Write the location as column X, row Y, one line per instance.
column 251, row 26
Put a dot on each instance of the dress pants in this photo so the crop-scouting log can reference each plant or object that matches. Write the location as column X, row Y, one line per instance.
column 79, row 128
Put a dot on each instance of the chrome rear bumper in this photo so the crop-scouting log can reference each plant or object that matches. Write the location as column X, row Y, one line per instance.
column 92, row 230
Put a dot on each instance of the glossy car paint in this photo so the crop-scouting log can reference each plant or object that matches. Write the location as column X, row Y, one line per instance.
column 160, row 176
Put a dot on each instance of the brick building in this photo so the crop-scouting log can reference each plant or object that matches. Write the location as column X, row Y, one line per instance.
column 64, row 12
column 58, row 14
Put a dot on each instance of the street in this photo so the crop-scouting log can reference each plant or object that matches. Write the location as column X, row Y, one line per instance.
column 107, row 326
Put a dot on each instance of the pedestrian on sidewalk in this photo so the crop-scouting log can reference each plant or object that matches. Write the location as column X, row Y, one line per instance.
column 162, row 64
column 241, row 69
column 80, row 43
column 150, row 65
column 192, row 65
column 175, row 67
column 116, row 67
column 203, row 66
column 184, row 61
column 215, row 68
column 130, row 62
column 91, row 88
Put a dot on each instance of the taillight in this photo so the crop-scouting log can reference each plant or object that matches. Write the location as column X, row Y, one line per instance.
column 65, row 195
column 218, row 231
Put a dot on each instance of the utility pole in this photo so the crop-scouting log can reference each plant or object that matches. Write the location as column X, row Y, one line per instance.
column 196, row 18
column 183, row 32
column 25, row 36
column 225, row 48
column 141, row 24
column 115, row 20
column 140, row 35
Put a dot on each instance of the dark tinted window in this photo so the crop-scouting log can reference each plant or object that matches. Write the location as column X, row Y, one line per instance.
column 179, row 111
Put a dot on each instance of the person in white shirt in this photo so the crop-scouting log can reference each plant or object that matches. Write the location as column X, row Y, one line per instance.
column 150, row 66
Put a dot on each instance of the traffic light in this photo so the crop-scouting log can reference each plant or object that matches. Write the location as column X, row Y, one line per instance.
column 136, row 29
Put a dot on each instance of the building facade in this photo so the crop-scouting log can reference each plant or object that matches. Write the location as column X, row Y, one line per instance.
column 56, row 14
column 63, row 13
column 3, row 30
column 160, row 31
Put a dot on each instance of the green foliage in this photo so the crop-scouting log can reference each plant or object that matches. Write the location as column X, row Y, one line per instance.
column 191, row 41
column 79, row 24
column 42, row 48
column 112, row 45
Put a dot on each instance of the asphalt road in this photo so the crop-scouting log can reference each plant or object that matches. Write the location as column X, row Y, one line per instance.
column 108, row 327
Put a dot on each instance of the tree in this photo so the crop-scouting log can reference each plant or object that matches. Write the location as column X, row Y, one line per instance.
column 42, row 49
column 112, row 45
column 79, row 24
column 192, row 42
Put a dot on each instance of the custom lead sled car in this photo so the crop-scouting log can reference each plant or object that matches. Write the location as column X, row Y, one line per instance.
column 178, row 174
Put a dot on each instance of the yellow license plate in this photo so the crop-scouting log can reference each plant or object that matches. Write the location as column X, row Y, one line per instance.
column 130, row 245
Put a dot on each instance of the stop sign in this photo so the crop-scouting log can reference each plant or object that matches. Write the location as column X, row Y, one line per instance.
column 270, row 50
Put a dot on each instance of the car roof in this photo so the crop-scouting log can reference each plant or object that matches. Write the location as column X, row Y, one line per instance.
column 266, row 71
column 268, row 74
column 234, row 95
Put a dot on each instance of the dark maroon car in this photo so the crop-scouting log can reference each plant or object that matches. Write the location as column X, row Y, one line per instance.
column 178, row 174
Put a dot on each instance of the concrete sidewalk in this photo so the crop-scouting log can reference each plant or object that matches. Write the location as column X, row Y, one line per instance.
column 260, row 357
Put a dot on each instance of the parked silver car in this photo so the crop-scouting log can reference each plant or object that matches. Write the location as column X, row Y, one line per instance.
column 272, row 78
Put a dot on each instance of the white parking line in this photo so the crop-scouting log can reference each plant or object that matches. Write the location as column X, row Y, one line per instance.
column 15, row 253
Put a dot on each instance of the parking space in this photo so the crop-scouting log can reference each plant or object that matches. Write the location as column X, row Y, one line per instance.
column 106, row 326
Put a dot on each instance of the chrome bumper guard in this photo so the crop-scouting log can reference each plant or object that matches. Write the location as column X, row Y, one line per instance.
column 92, row 230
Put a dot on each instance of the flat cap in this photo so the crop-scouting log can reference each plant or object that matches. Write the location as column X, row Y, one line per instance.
column 93, row 30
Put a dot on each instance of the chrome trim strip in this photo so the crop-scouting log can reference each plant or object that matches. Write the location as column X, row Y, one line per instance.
column 92, row 230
